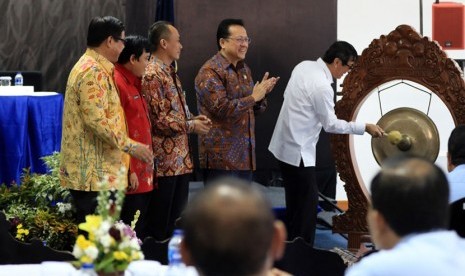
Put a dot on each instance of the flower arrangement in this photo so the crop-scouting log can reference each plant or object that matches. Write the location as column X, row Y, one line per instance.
column 39, row 208
column 111, row 245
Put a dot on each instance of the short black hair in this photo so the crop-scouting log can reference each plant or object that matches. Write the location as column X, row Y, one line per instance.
column 456, row 145
column 223, row 29
column 412, row 194
column 158, row 31
column 102, row 27
column 134, row 45
column 228, row 228
column 342, row 50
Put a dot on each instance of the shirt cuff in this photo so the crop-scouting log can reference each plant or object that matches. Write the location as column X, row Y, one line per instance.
column 190, row 126
column 359, row 128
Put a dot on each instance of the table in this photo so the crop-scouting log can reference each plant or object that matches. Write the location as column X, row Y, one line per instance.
column 136, row 268
column 30, row 128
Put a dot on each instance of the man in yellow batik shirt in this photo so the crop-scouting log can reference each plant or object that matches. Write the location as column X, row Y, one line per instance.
column 95, row 142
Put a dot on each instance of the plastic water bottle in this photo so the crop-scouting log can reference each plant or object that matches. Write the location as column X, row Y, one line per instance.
column 176, row 266
column 88, row 270
column 18, row 79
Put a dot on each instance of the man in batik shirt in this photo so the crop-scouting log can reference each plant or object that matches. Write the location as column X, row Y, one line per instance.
column 128, row 74
column 171, row 124
column 95, row 143
column 227, row 95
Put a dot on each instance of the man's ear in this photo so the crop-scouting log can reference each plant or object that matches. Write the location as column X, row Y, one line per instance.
column 222, row 42
column 132, row 59
column 381, row 232
column 163, row 44
column 186, row 254
column 109, row 41
column 450, row 166
column 337, row 62
column 279, row 237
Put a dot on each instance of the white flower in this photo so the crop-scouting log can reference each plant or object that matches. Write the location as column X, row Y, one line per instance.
column 92, row 252
column 103, row 229
column 106, row 241
column 77, row 251
column 63, row 207
column 124, row 244
column 135, row 244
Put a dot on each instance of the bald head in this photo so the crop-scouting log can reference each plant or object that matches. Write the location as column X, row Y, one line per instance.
column 412, row 195
column 229, row 228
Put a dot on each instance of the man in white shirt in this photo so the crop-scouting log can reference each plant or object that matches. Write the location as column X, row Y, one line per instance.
column 456, row 163
column 407, row 219
column 309, row 106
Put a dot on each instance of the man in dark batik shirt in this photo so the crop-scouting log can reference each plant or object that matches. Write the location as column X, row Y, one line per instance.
column 226, row 94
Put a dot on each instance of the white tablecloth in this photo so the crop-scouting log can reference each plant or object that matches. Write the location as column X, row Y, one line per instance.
column 26, row 93
column 137, row 268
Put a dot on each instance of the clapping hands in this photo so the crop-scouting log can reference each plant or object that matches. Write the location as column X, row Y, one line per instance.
column 264, row 87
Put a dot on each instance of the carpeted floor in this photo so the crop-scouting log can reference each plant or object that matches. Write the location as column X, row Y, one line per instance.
column 324, row 238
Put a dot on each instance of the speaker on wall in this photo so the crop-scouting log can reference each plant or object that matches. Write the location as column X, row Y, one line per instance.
column 449, row 25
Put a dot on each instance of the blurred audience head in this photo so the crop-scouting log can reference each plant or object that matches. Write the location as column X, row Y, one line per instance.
column 409, row 195
column 456, row 148
column 230, row 229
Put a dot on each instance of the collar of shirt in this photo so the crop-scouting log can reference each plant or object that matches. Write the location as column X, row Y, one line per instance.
column 169, row 69
column 106, row 64
column 128, row 75
column 325, row 68
column 225, row 63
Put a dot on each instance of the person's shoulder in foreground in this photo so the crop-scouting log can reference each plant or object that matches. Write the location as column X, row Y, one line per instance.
column 407, row 219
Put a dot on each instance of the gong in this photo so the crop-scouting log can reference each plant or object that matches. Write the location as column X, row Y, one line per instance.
column 406, row 56
column 409, row 132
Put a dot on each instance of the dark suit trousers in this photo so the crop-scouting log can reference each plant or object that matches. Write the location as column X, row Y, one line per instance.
column 85, row 204
column 167, row 203
column 301, row 193
column 132, row 203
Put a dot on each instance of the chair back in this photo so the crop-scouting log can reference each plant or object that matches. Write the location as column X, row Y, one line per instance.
column 301, row 259
column 155, row 250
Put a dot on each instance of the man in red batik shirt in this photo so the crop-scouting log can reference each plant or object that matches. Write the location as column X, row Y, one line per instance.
column 128, row 73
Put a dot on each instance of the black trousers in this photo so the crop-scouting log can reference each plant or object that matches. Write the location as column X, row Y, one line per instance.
column 301, row 193
column 326, row 179
column 85, row 204
column 166, row 205
column 132, row 203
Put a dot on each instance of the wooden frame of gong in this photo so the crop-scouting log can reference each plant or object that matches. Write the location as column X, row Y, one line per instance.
column 403, row 54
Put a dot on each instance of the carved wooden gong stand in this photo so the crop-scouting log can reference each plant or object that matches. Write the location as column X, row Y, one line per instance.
column 403, row 54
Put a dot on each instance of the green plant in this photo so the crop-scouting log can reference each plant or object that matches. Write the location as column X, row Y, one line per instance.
column 40, row 208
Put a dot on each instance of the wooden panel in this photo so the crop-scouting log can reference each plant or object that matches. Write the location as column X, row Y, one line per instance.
column 49, row 36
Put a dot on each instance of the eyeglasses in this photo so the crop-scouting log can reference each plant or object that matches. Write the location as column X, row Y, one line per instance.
column 120, row 39
column 241, row 40
column 351, row 66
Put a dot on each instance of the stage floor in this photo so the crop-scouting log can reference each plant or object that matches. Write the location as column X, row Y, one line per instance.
column 324, row 238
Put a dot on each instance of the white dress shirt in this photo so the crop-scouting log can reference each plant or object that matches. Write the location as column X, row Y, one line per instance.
column 457, row 183
column 430, row 254
column 308, row 106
